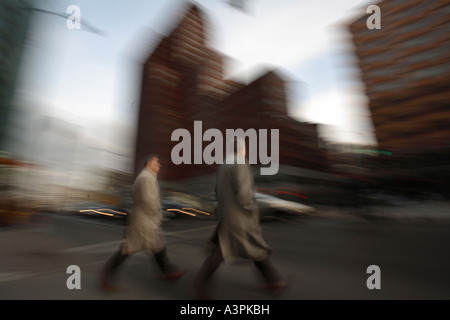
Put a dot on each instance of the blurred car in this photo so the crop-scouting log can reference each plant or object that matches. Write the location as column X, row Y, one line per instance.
column 126, row 203
column 270, row 206
column 177, row 205
column 173, row 209
column 99, row 210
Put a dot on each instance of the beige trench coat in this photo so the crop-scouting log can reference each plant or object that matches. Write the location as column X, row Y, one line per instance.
column 143, row 231
column 239, row 230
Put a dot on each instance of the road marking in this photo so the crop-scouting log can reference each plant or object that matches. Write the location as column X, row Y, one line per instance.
column 117, row 242
column 175, row 233
column 91, row 246
column 13, row 276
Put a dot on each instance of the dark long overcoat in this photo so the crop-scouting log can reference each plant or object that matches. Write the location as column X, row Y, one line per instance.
column 239, row 229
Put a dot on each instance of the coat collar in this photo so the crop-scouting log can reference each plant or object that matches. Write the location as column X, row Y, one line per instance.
column 148, row 172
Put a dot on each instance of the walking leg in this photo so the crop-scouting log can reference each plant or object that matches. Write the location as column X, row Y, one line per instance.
column 170, row 271
column 163, row 262
column 206, row 271
column 111, row 266
column 275, row 282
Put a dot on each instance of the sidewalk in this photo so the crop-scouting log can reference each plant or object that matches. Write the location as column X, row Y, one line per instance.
column 38, row 272
column 35, row 259
column 430, row 210
column 34, row 266
column 30, row 251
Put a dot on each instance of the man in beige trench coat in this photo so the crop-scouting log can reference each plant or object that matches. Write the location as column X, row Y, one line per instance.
column 143, row 232
column 238, row 234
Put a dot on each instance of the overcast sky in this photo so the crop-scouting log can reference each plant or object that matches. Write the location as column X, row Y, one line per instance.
column 90, row 80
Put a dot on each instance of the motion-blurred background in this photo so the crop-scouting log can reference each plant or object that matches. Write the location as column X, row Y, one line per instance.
column 363, row 113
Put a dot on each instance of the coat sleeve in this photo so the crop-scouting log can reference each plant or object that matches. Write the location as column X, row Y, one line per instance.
column 149, row 195
column 243, row 186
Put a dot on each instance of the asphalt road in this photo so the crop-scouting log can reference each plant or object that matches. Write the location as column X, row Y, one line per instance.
column 326, row 258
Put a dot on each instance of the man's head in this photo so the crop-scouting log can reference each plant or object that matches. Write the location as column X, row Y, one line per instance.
column 152, row 163
column 239, row 147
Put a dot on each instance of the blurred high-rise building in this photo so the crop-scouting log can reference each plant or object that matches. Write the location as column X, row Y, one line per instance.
column 14, row 21
column 405, row 66
column 183, row 81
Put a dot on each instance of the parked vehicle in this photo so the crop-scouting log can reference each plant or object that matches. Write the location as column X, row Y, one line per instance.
column 273, row 206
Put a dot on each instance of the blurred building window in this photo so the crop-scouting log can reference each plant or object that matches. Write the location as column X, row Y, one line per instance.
column 427, row 55
column 386, row 86
column 429, row 72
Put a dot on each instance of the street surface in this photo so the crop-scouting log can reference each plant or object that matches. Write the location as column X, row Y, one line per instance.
column 326, row 256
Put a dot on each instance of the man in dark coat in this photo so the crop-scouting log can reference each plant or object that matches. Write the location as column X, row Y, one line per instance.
column 238, row 234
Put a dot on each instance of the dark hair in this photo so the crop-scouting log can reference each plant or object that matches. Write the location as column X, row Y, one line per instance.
column 150, row 158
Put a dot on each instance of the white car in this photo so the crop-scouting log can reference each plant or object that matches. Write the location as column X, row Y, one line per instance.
column 273, row 206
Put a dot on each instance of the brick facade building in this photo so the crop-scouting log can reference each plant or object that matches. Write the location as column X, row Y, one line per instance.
column 405, row 67
column 183, row 81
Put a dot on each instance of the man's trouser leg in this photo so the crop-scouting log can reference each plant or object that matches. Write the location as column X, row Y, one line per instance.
column 113, row 263
column 117, row 259
column 207, row 270
column 275, row 282
column 268, row 271
column 163, row 262
column 170, row 271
